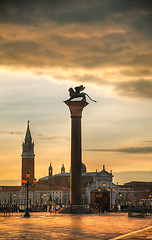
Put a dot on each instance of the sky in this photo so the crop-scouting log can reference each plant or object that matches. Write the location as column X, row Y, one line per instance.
column 48, row 46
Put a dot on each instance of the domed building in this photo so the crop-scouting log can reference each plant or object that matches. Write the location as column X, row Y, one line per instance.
column 89, row 179
column 63, row 178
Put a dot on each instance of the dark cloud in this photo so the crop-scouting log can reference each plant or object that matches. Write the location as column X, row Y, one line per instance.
column 36, row 11
column 90, row 35
column 107, row 42
column 141, row 60
column 134, row 150
column 140, row 88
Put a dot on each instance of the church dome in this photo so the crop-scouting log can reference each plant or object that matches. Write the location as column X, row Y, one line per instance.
column 83, row 167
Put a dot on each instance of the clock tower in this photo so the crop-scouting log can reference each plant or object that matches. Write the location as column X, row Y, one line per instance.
column 28, row 161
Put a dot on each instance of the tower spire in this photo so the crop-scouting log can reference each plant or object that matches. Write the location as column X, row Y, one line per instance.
column 28, row 133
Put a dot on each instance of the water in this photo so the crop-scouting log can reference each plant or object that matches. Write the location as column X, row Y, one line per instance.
column 41, row 226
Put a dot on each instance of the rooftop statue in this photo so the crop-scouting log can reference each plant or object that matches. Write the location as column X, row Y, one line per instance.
column 78, row 93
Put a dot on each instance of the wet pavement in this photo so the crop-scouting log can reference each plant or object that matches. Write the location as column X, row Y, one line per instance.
column 42, row 226
column 138, row 235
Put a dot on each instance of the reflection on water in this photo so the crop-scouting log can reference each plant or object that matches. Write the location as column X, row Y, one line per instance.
column 51, row 226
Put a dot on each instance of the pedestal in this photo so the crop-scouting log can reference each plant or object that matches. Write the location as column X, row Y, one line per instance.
column 76, row 108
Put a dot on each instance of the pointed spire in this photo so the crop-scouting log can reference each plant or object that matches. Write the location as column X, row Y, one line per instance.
column 28, row 133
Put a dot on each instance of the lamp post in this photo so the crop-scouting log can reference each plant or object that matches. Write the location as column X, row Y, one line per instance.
column 27, row 183
column 15, row 202
column 110, row 191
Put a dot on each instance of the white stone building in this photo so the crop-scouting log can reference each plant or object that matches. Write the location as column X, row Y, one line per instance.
column 101, row 181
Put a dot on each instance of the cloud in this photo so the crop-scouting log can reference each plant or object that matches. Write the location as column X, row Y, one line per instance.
column 107, row 40
column 103, row 42
column 36, row 11
column 72, row 52
column 12, row 132
column 38, row 135
column 53, row 138
column 137, row 72
column 140, row 88
column 134, row 150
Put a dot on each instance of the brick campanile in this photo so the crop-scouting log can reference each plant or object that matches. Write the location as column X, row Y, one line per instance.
column 28, row 161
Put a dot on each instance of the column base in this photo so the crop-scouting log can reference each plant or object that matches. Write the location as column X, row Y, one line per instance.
column 27, row 214
column 76, row 209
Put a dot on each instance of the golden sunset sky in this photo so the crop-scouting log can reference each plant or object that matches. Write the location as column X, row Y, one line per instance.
column 49, row 46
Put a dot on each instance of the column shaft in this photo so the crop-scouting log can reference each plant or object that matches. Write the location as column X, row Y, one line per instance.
column 76, row 175
column 76, row 108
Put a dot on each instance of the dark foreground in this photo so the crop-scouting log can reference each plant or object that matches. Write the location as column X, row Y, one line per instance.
column 41, row 226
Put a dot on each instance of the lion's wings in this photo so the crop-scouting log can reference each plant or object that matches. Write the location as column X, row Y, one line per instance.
column 79, row 88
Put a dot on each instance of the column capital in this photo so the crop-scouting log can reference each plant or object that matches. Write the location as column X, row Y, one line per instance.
column 76, row 107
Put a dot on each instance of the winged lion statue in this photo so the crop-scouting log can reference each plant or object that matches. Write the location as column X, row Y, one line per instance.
column 78, row 93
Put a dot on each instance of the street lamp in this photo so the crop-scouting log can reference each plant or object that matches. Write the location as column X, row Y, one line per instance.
column 110, row 193
column 27, row 183
column 15, row 202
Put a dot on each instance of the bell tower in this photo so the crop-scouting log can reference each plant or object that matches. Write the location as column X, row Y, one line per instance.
column 50, row 171
column 28, row 161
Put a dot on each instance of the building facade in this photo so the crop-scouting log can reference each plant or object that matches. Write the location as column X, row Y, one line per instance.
column 102, row 181
column 39, row 196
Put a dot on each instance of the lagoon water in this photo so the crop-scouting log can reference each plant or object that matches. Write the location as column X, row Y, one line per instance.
column 69, row 227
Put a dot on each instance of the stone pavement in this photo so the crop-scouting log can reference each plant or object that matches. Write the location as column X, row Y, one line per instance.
column 143, row 234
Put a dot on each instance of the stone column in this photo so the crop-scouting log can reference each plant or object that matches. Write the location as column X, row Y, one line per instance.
column 76, row 108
